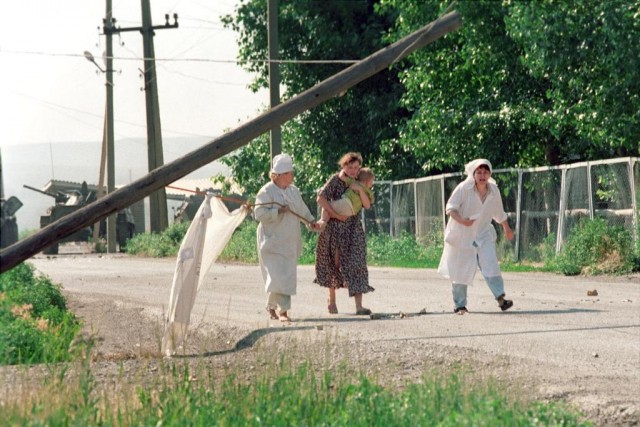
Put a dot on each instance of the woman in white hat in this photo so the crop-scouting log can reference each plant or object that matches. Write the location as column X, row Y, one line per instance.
column 280, row 209
column 470, row 239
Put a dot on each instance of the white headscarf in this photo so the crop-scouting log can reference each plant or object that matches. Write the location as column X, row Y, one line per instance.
column 282, row 163
column 471, row 167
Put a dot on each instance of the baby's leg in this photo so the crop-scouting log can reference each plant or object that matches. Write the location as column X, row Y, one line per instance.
column 343, row 207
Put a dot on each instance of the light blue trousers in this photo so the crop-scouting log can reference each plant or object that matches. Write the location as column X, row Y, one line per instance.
column 459, row 290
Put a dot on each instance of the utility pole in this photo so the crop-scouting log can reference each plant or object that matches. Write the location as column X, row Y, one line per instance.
column 230, row 141
column 108, row 149
column 158, row 200
column 111, row 170
column 274, row 73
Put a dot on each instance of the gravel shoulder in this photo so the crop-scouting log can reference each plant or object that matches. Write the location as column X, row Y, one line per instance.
column 557, row 343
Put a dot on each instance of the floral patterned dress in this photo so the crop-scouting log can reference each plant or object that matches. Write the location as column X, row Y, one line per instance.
column 347, row 240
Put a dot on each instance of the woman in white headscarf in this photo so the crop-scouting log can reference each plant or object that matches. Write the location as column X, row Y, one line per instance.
column 280, row 209
column 470, row 239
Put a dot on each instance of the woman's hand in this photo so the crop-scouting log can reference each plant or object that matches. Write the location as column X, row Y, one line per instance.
column 458, row 218
column 313, row 225
column 508, row 232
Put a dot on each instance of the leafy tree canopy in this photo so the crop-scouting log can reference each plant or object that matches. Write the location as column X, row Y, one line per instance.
column 359, row 120
column 523, row 83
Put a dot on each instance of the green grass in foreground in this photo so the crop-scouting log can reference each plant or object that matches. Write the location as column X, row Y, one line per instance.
column 288, row 397
column 35, row 325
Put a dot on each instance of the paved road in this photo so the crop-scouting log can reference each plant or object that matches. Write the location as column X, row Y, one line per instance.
column 554, row 325
column 553, row 319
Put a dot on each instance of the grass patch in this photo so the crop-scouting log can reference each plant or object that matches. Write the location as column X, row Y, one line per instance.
column 382, row 250
column 242, row 246
column 288, row 391
column 592, row 248
column 403, row 251
column 158, row 245
column 35, row 325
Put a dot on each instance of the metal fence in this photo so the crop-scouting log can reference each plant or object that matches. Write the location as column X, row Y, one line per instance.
column 544, row 204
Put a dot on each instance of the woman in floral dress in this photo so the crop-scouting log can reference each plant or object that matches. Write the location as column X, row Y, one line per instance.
column 341, row 254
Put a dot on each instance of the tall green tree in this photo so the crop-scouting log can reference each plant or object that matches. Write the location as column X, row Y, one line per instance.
column 524, row 83
column 359, row 120
column 589, row 51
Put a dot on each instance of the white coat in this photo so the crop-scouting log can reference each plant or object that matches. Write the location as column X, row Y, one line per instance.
column 278, row 236
column 465, row 246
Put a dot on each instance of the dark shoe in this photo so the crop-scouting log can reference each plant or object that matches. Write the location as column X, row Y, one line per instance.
column 460, row 310
column 506, row 304
column 333, row 309
column 363, row 312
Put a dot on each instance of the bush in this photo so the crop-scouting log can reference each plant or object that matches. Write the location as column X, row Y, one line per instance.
column 403, row 251
column 594, row 247
column 35, row 325
column 242, row 246
column 158, row 245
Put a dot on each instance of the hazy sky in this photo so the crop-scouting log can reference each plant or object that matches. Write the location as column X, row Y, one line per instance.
column 50, row 93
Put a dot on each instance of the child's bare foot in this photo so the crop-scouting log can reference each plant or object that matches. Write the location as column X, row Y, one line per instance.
column 272, row 314
column 284, row 317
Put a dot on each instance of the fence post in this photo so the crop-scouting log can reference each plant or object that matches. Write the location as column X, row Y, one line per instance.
column 561, row 209
column 391, row 218
column 634, row 204
column 415, row 208
column 590, row 192
column 444, row 206
column 518, row 209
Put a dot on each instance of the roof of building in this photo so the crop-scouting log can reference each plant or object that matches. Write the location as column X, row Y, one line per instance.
column 177, row 190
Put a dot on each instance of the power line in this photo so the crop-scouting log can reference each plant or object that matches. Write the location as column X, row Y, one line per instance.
column 219, row 61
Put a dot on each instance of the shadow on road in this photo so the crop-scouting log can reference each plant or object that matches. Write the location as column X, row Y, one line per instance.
column 248, row 341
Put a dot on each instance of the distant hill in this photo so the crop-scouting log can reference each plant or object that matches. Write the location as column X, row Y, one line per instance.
column 36, row 164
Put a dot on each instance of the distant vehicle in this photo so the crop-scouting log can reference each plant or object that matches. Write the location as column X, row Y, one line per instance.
column 187, row 210
column 190, row 205
column 71, row 201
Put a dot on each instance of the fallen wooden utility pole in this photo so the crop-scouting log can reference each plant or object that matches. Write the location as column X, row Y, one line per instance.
column 170, row 172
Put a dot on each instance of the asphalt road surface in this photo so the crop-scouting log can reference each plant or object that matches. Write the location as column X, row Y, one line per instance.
column 582, row 348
